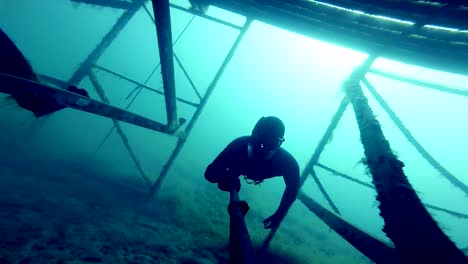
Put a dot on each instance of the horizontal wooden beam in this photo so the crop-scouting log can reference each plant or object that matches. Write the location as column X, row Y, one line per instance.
column 427, row 12
column 13, row 85
column 117, row 4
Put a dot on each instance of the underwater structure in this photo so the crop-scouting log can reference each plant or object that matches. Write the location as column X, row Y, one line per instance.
column 407, row 31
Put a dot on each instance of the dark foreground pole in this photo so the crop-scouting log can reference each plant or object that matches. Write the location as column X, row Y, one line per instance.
column 241, row 250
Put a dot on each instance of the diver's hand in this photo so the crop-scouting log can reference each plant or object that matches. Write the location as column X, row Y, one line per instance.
column 272, row 221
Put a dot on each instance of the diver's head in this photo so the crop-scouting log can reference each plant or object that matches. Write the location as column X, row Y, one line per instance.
column 267, row 137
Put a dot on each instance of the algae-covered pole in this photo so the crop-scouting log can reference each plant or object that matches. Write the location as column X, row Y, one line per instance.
column 436, row 208
column 164, row 32
column 182, row 139
column 416, row 236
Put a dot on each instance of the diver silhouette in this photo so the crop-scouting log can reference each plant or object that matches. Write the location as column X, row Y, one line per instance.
column 258, row 157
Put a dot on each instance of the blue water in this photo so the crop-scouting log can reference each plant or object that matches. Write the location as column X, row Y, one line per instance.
column 68, row 194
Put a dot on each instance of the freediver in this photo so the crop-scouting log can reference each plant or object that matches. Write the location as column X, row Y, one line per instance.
column 258, row 157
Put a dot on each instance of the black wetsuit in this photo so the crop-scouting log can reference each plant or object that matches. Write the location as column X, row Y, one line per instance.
column 235, row 160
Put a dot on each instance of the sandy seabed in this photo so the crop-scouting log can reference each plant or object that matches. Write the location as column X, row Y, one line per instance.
column 63, row 212
column 48, row 216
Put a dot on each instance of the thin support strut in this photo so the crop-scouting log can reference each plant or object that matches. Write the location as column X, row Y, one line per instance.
column 344, row 175
column 139, row 86
column 102, row 95
column 437, row 208
column 120, row 76
column 435, row 86
column 310, row 165
column 105, row 42
column 324, row 192
column 181, row 141
column 137, row 91
column 214, row 19
column 188, row 77
column 325, row 138
column 142, row 85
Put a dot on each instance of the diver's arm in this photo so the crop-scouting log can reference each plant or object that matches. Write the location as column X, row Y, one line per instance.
column 292, row 181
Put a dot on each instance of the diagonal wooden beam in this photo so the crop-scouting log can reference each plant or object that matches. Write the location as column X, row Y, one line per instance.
column 374, row 249
column 92, row 58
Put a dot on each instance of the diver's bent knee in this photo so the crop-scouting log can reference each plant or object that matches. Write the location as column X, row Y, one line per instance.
column 211, row 177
